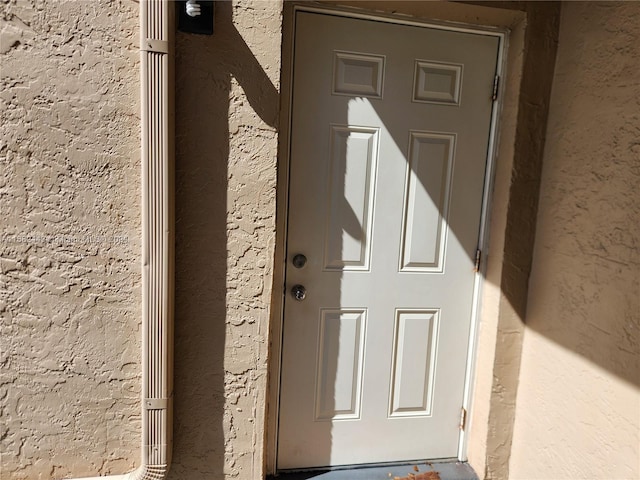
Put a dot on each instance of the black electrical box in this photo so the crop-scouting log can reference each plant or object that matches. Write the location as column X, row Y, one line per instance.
column 202, row 24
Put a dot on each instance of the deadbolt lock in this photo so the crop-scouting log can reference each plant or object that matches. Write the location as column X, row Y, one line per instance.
column 299, row 260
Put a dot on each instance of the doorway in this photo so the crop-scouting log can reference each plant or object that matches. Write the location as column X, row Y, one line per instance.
column 389, row 139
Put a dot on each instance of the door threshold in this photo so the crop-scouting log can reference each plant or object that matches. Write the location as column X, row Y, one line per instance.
column 445, row 471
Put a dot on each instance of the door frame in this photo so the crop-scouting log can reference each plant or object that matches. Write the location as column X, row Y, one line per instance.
column 277, row 302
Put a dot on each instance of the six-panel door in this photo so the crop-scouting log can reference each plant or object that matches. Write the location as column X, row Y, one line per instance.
column 389, row 134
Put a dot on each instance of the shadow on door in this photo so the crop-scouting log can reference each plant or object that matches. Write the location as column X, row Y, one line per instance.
column 389, row 142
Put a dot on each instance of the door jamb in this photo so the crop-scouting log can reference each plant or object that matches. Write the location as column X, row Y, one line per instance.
column 277, row 301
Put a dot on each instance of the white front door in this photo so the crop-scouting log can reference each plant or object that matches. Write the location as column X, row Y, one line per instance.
column 389, row 135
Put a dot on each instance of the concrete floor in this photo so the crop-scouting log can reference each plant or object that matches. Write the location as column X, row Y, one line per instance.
column 446, row 470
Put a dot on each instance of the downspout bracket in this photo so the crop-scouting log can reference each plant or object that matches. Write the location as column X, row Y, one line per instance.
column 156, row 46
column 156, row 403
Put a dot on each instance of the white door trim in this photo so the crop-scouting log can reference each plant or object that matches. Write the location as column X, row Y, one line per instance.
column 277, row 305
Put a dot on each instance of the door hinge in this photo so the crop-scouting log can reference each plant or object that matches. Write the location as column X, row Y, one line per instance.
column 476, row 267
column 463, row 418
column 496, row 88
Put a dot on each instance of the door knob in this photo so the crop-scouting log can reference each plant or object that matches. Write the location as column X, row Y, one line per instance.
column 299, row 292
column 299, row 260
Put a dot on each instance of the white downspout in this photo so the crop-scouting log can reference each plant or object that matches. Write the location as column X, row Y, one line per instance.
column 156, row 65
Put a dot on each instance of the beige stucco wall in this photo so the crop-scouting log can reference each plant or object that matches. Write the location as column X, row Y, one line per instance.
column 578, row 406
column 227, row 101
column 69, row 238
column 70, row 305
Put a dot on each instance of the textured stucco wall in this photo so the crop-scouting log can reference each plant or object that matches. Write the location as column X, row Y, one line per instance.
column 515, row 233
column 70, row 291
column 69, row 238
column 69, row 251
column 227, row 100
column 578, row 406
